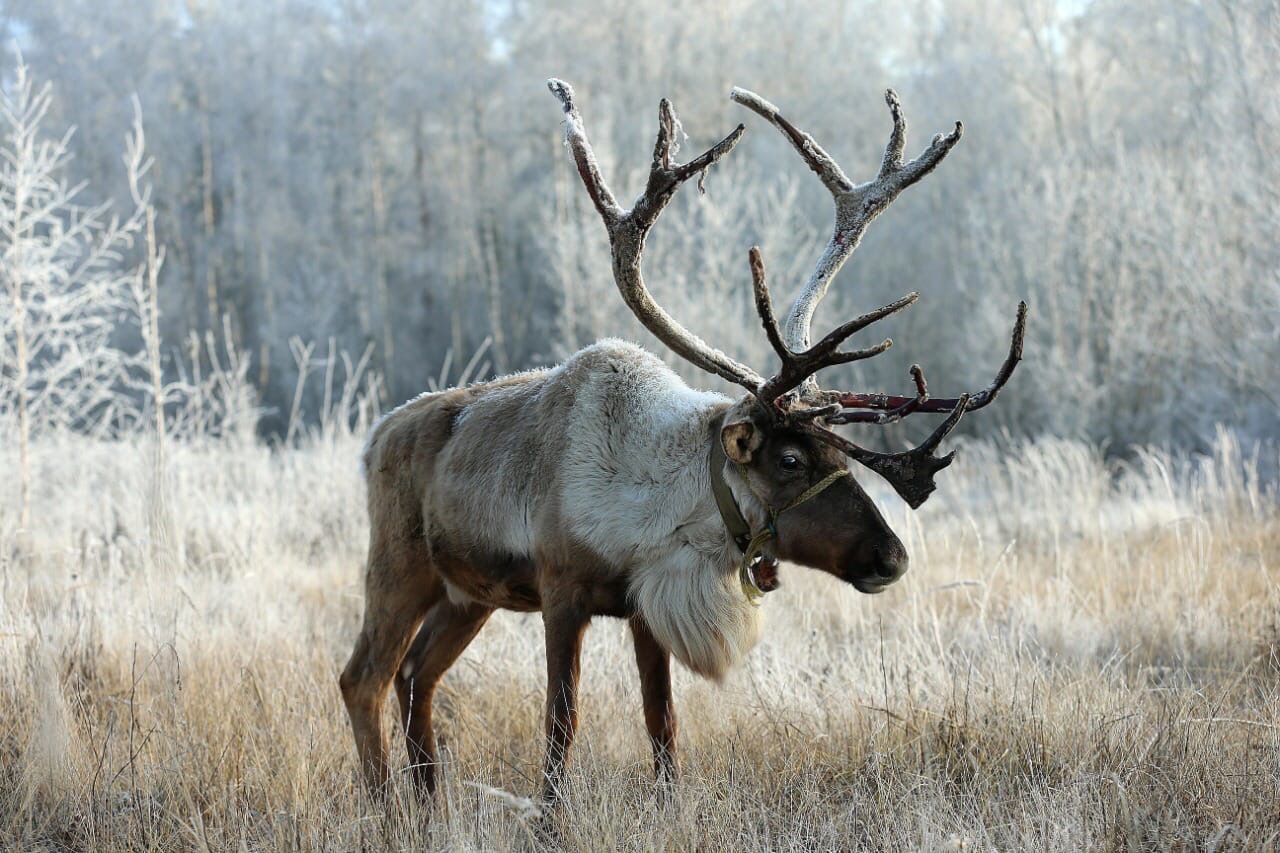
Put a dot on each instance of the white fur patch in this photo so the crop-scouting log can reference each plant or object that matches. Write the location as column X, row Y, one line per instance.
column 698, row 613
column 456, row 596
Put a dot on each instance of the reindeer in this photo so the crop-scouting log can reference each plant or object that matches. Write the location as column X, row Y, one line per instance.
column 605, row 486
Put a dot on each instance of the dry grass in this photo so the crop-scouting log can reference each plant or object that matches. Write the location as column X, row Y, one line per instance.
column 1079, row 657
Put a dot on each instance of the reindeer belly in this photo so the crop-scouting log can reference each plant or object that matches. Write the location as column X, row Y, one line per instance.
column 504, row 581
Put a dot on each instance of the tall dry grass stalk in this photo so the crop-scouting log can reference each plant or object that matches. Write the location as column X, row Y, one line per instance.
column 1083, row 655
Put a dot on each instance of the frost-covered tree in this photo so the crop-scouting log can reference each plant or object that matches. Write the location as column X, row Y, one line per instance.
column 66, row 283
column 355, row 171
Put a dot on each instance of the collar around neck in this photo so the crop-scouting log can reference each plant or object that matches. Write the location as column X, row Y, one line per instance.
column 730, row 512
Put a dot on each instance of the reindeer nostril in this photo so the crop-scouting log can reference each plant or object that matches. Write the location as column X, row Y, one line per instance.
column 878, row 565
column 892, row 563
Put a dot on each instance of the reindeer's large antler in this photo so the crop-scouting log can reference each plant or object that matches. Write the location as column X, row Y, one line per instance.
column 855, row 206
column 628, row 229
column 910, row 473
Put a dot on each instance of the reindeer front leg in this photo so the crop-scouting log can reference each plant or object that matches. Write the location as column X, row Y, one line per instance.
column 565, row 623
column 654, row 663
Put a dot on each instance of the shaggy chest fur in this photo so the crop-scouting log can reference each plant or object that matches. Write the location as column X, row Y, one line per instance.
column 592, row 478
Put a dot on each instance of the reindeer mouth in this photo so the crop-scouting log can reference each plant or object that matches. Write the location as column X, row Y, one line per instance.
column 867, row 586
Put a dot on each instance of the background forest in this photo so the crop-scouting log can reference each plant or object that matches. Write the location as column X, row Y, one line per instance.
column 233, row 231
column 388, row 176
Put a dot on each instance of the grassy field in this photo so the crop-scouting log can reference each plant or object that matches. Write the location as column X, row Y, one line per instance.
column 1082, row 656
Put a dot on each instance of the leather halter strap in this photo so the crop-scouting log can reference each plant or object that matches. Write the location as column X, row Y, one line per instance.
column 730, row 513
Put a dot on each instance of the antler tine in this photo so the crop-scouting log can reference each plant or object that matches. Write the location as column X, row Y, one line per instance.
column 989, row 393
column 887, row 415
column 910, row 472
column 897, row 139
column 764, row 304
column 628, row 229
column 575, row 136
column 972, row 402
column 855, row 206
column 799, row 366
column 822, row 163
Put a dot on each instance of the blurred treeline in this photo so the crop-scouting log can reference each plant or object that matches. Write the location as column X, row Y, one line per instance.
column 390, row 175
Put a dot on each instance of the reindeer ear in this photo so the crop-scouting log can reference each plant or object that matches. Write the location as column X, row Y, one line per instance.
column 741, row 439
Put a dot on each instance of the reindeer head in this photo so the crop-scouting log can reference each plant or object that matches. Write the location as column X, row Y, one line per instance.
column 797, row 489
column 778, row 439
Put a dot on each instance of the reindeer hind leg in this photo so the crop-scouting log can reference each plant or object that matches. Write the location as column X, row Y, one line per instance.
column 399, row 587
column 446, row 632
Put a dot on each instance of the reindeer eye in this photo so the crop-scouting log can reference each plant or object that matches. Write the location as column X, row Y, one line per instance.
column 789, row 462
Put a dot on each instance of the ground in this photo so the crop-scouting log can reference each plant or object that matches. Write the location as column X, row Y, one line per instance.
column 1083, row 655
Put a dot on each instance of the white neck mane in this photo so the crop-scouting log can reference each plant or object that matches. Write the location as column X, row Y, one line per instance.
column 691, row 597
column 638, row 487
